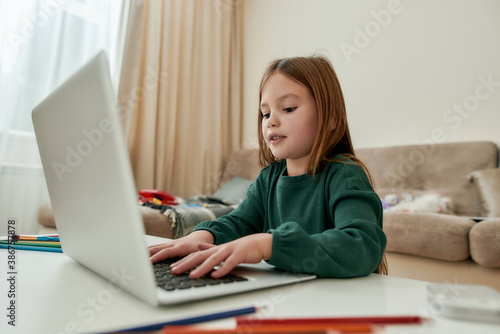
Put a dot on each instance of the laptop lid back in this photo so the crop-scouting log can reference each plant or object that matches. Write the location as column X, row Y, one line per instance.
column 90, row 181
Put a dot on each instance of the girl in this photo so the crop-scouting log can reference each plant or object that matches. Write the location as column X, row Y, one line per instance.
column 312, row 208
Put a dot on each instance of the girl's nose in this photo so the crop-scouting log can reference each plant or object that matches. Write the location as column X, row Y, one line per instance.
column 273, row 120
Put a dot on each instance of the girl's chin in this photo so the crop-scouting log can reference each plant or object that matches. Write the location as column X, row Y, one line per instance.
column 277, row 156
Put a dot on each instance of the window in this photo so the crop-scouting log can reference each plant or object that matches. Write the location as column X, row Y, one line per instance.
column 42, row 42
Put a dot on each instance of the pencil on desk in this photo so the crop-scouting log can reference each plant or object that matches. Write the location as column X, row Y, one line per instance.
column 383, row 320
column 17, row 237
column 33, row 243
column 183, row 323
column 32, row 248
column 275, row 329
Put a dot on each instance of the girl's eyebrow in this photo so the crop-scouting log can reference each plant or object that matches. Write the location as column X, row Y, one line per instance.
column 281, row 98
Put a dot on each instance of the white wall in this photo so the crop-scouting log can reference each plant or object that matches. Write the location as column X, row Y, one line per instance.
column 424, row 61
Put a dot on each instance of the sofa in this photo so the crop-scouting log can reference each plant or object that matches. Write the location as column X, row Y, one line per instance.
column 462, row 247
column 459, row 246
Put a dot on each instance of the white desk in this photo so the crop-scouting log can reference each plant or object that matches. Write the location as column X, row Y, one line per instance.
column 56, row 295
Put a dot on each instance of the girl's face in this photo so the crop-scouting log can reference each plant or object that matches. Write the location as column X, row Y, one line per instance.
column 289, row 121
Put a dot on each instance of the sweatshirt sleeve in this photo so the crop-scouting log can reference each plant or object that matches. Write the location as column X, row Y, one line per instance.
column 353, row 247
column 246, row 219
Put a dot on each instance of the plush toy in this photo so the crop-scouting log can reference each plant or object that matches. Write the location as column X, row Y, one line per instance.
column 394, row 199
column 432, row 202
column 385, row 204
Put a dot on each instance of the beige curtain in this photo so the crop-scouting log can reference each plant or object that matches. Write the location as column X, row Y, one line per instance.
column 180, row 95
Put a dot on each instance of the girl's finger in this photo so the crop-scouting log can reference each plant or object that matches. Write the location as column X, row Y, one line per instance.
column 210, row 262
column 204, row 246
column 229, row 264
column 189, row 262
column 161, row 255
column 169, row 251
column 156, row 248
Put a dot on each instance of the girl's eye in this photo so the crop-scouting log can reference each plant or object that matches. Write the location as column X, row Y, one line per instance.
column 265, row 116
column 290, row 109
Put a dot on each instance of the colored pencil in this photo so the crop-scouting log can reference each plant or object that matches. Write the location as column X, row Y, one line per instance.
column 386, row 320
column 195, row 320
column 274, row 329
column 33, row 243
column 33, row 248
column 17, row 237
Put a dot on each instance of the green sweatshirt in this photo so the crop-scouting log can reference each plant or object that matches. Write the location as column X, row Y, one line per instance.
column 331, row 228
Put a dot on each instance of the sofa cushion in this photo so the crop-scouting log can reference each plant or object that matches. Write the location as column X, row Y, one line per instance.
column 484, row 240
column 443, row 237
column 487, row 185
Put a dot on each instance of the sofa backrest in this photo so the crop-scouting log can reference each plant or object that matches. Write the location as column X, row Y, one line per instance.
column 243, row 163
column 441, row 168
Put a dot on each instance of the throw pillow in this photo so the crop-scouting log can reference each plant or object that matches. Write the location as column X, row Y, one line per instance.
column 487, row 185
column 233, row 192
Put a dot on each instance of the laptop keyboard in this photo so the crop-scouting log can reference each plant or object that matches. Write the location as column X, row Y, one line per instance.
column 170, row 282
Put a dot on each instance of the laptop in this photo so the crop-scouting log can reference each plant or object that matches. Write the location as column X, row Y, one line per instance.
column 94, row 199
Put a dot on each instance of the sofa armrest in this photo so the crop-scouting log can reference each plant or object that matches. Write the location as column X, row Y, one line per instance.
column 484, row 241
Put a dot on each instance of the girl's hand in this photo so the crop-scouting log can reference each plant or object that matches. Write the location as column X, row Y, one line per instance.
column 250, row 249
column 180, row 247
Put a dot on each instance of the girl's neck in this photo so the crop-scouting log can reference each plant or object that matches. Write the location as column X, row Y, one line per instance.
column 295, row 167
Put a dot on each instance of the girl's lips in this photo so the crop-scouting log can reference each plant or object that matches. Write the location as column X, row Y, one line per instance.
column 275, row 139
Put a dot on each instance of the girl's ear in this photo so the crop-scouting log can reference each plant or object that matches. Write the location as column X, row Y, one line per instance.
column 333, row 124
